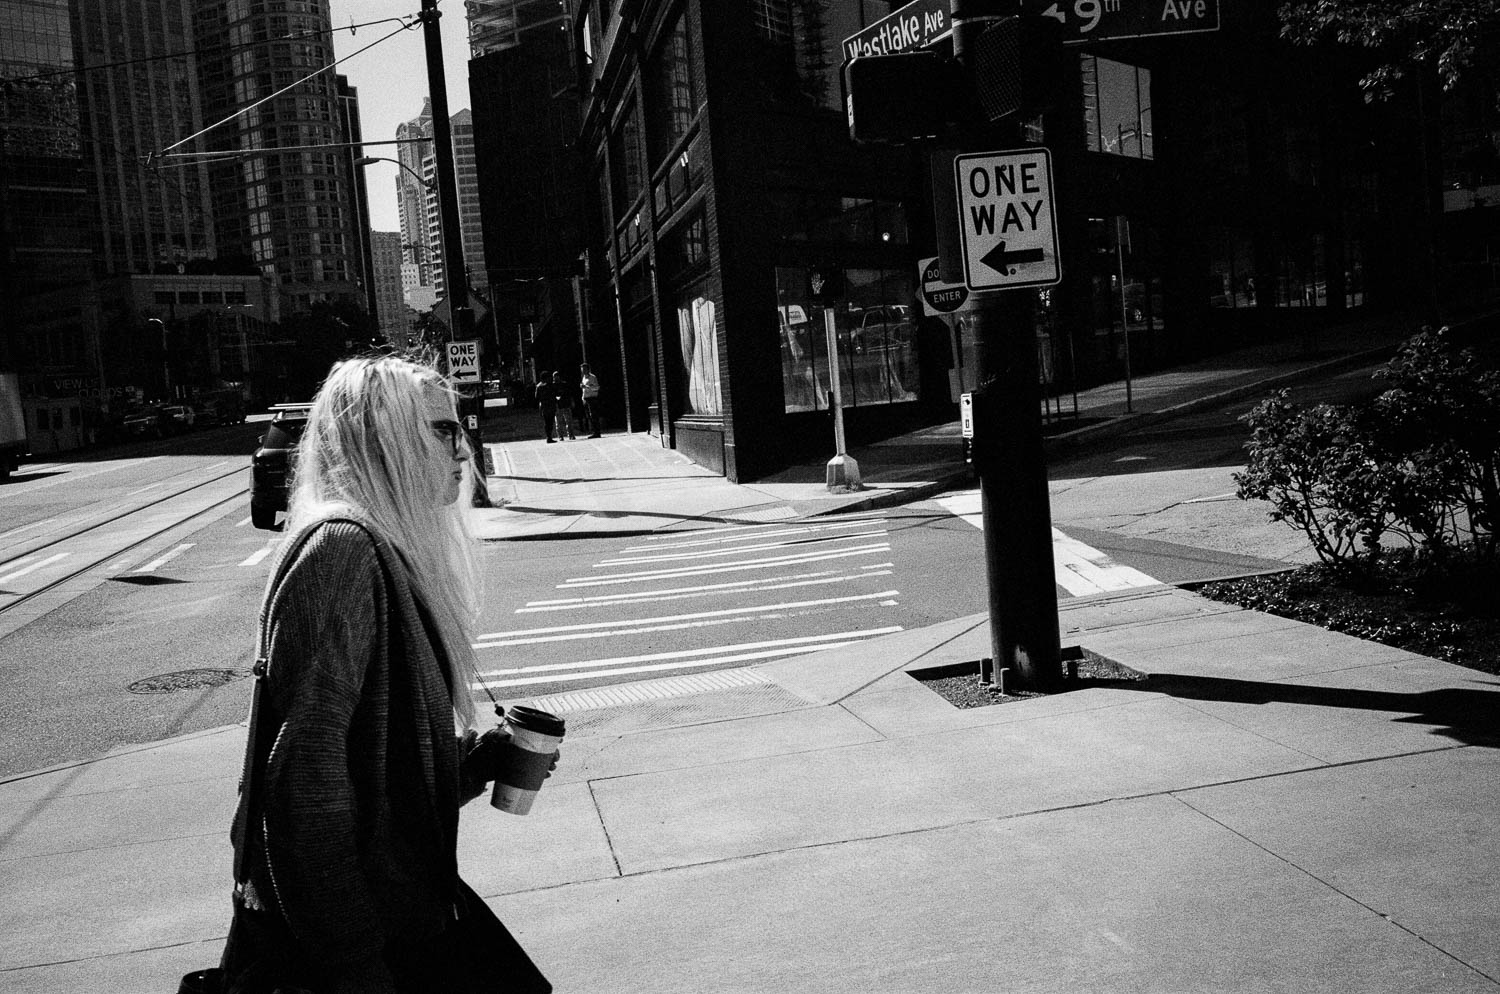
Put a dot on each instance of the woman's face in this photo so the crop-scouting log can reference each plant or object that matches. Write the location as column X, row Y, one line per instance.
column 450, row 451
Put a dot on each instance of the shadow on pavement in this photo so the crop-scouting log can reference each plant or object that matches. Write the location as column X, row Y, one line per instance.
column 1470, row 716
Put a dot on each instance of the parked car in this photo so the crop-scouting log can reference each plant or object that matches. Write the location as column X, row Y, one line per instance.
column 178, row 417
column 881, row 327
column 143, row 422
column 272, row 464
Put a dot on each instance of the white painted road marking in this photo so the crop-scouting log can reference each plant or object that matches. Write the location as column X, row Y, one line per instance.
column 801, row 543
column 681, row 658
column 30, row 569
column 501, row 638
column 259, row 554
column 685, row 593
column 156, row 564
column 1079, row 569
column 241, row 524
column 767, row 563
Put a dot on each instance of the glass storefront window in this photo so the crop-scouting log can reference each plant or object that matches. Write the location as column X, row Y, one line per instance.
column 875, row 328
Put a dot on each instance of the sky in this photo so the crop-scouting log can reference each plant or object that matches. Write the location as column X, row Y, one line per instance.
column 392, row 81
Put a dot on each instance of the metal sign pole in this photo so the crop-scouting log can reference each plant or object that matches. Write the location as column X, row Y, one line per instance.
column 843, row 470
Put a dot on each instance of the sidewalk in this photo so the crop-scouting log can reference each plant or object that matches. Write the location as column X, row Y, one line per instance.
column 1280, row 808
column 630, row 484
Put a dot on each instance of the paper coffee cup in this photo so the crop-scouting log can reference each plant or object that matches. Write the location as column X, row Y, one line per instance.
column 534, row 738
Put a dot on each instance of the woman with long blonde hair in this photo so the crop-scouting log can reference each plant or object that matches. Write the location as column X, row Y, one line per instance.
column 346, row 854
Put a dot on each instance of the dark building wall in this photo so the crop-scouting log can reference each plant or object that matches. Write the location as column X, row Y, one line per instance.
column 532, row 198
column 1214, row 189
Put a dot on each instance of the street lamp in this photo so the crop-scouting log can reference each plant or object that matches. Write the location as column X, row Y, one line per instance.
column 166, row 373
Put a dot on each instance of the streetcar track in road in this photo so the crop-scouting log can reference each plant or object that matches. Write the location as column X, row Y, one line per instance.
column 114, row 556
column 125, row 514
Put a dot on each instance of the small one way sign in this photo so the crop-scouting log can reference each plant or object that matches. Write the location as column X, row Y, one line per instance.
column 463, row 361
column 1006, row 215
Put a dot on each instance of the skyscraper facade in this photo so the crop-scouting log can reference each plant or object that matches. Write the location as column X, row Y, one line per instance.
column 139, row 94
column 390, row 302
column 421, row 215
column 292, row 213
column 49, row 321
column 411, row 192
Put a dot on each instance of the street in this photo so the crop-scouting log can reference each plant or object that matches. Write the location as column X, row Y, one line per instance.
column 129, row 584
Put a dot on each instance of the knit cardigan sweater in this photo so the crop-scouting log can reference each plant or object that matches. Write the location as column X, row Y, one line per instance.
column 362, row 783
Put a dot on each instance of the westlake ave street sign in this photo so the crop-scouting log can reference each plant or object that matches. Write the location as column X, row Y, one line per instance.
column 1006, row 219
column 913, row 27
column 1086, row 21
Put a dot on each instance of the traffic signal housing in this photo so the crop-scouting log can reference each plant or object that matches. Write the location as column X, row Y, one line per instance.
column 1016, row 67
column 899, row 98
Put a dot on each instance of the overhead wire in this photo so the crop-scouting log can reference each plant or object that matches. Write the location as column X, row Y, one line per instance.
column 246, row 109
column 192, row 52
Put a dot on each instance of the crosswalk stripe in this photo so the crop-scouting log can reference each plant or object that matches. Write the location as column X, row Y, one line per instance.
column 485, row 641
column 545, row 605
column 798, row 642
column 660, row 667
column 758, row 532
column 643, row 576
column 709, row 553
column 156, row 564
column 654, row 596
column 32, row 568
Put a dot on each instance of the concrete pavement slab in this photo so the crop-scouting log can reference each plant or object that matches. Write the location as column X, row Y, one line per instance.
column 561, row 841
column 1411, row 838
column 742, row 740
column 114, row 899
column 1133, row 896
column 833, row 674
column 183, row 759
column 154, row 970
column 1269, row 649
column 1393, row 705
column 726, row 810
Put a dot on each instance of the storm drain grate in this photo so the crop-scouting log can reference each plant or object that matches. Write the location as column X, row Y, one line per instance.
column 170, row 683
column 686, row 700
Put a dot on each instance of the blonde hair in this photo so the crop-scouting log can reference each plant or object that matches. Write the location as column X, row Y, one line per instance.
column 369, row 448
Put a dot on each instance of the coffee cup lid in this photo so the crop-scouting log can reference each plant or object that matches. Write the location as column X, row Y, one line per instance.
column 536, row 720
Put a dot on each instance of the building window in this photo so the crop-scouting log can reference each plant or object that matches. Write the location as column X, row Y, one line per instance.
column 671, row 95
column 1117, row 107
column 1231, row 267
column 875, row 333
column 625, row 159
column 773, row 20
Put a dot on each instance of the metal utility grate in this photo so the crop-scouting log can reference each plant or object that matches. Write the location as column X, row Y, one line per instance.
column 684, row 700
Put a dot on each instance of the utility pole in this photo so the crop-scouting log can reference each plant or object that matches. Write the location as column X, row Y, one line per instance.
column 455, row 274
column 1007, row 443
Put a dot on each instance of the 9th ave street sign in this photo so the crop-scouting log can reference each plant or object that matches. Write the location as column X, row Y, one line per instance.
column 1006, row 218
column 1086, row 21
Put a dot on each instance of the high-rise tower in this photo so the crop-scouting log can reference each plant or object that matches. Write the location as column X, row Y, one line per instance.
column 139, row 93
column 293, row 213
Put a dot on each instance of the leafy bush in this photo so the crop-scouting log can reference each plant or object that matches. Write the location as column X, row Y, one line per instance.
column 1421, row 461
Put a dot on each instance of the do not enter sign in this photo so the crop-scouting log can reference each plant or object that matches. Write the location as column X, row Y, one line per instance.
column 1006, row 216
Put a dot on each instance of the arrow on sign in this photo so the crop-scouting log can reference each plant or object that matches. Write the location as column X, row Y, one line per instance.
column 1000, row 260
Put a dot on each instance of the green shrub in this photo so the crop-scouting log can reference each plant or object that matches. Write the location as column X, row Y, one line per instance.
column 1422, row 460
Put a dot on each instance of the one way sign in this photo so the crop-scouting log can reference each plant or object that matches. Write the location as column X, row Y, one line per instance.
column 1006, row 215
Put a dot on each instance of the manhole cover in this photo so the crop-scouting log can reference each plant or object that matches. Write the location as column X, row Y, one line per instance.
column 168, row 683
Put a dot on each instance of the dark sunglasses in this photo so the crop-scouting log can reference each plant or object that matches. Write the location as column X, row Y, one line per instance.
column 454, row 433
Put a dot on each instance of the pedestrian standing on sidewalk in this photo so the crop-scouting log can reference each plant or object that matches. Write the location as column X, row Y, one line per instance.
column 588, row 384
column 363, row 748
column 546, row 399
column 563, row 395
